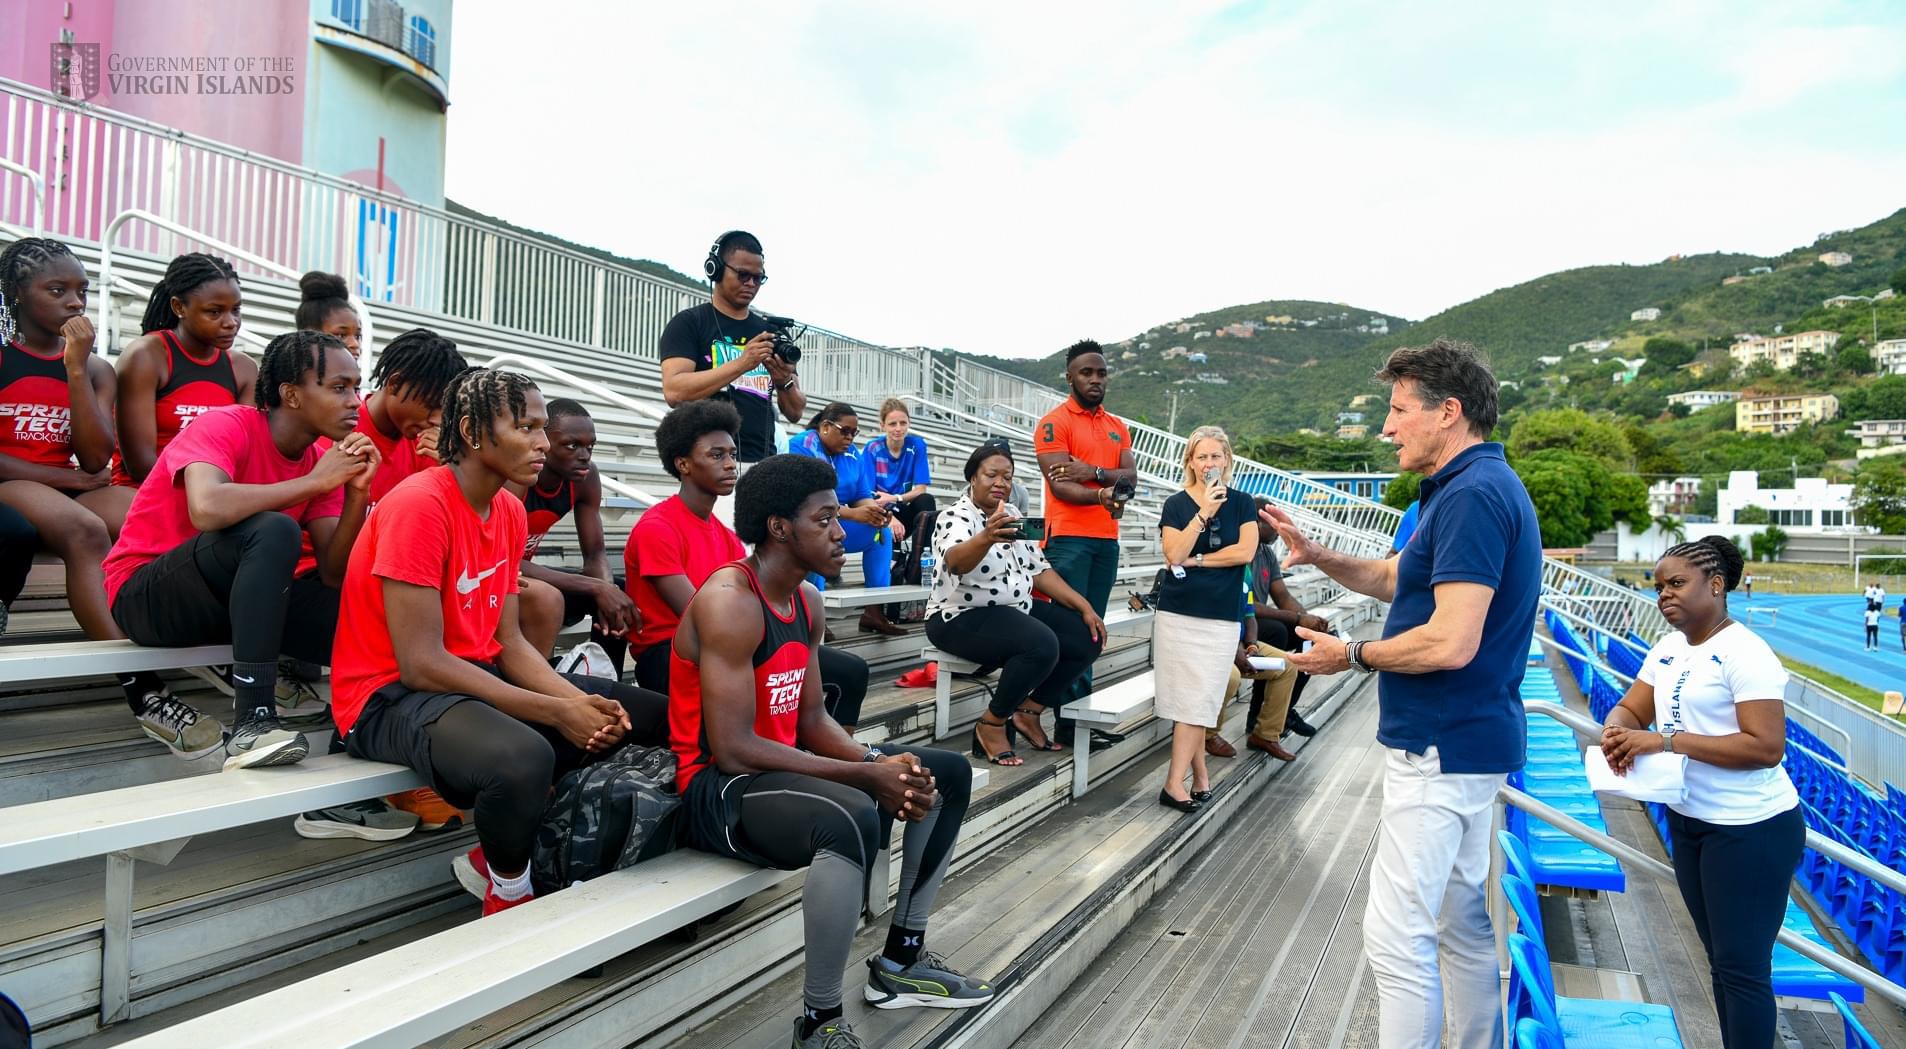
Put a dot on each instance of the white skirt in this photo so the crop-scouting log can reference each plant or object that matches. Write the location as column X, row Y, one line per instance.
column 1191, row 665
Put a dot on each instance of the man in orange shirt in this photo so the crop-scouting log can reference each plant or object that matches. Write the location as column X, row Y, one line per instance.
column 1085, row 453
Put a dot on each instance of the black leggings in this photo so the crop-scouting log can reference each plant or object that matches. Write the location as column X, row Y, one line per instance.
column 18, row 542
column 843, row 679
column 1873, row 636
column 1039, row 653
column 909, row 512
column 1734, row 880
column 478, row 757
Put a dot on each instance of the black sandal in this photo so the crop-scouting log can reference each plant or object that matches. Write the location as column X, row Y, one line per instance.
column 1049, row 745
column 1004, row 757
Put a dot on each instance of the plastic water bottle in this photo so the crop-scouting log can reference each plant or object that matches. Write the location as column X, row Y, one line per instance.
column 926, row 567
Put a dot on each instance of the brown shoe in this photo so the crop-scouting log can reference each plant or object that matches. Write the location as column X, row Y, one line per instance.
column 874, row 621
column 1219, row 747
column 1269, row 746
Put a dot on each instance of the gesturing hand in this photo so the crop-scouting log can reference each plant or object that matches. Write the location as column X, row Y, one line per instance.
column 1303, row 551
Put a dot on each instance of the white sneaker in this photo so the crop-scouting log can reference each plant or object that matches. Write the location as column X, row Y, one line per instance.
column 177, row 724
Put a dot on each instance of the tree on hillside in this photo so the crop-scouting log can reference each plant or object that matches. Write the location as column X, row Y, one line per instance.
column 1664, row 356
column 1883, row 398
column 1879, row 495
column 1853, row 360
column 1898, row 283
column 1401, row 492
column 1577, row 496
column 1572, row 430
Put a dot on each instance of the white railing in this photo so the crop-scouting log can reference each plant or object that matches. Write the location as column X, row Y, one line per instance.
column 36, row 199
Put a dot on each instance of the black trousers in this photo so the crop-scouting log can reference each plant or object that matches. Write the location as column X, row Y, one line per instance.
column 1734, row 880
column 19, row 540
column 909, row 512
column 843, row 679
column 1040, row 654
column 478, row 757
column 575, row 606
column 233, row 585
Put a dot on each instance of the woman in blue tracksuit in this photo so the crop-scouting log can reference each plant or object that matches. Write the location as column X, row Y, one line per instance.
column 869, row 526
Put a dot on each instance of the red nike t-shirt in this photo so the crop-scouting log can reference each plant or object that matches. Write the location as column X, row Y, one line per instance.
column 426, row 534
column 398, row 459
column 237, row 440
column 669, row 539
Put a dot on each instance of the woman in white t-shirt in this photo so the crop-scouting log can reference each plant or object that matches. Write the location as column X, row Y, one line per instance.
column 1713, row 689
column 1872, row 628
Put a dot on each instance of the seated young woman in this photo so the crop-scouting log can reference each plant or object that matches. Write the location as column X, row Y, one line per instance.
column 871, row 527
column 982, row 609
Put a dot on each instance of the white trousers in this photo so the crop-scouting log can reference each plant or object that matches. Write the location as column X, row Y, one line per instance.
column 1426, row 926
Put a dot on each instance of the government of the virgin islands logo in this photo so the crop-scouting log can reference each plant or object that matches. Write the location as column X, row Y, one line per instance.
column 75, row 70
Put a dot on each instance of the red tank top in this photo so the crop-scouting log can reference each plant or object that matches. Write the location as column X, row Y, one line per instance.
column 545, row 509
column 36, row 413
column 192, row 388
column 780, row 674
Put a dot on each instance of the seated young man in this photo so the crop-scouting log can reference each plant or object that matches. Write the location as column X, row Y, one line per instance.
column 431, row 669
column 210, row 545
column 766, row 776
column 679, row 542
column 553, row 598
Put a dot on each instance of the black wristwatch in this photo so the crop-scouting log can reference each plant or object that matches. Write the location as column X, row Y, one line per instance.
column 1098, row 474
column 873, row 754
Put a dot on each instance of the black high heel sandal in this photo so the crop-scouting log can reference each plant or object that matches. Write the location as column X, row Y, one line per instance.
column 1004, row 756
column 1049, row 745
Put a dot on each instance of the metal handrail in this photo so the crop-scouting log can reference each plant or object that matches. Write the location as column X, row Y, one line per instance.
column 646, row 498
column 588, row 386
column 1630, row 855
column 39, row 198
column 140, row 215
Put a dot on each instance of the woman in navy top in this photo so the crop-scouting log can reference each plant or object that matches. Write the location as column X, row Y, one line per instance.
column 897, row 465
column 870, row 528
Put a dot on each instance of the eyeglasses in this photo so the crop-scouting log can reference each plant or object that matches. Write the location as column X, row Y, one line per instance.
column 749, row 277
column 849, row 432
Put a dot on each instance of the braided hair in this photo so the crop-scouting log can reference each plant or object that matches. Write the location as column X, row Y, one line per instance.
column 1713, row 555
column 419, row 364
column 479, row 395
column 286, row 359
column 319, row 295
column 186, row 274
column 20, row 261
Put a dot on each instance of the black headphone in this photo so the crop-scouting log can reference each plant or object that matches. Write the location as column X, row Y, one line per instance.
column 713, row 265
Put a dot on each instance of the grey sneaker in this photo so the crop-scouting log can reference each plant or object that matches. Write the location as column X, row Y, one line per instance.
column 261, row 742
column 371, row 820
column 186, row 732
column 928, row 982
column 299, row 703
column 834, row 1034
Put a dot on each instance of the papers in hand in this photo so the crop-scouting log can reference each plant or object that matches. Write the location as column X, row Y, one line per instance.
column 1263, row 663
column 1653, row 777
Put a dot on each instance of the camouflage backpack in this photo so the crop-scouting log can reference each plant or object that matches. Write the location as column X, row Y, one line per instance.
column 606, row 816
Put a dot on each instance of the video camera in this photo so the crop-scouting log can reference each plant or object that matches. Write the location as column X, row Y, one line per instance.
column 786, row 331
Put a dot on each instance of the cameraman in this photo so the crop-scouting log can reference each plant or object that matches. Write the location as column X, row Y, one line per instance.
column 722, row 350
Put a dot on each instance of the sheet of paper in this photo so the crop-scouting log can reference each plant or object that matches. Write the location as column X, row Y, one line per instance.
column 1262, row 663
column 1653, row 777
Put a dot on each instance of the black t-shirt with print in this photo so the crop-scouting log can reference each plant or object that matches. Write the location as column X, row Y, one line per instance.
column 1208, row 593
column 701, row 334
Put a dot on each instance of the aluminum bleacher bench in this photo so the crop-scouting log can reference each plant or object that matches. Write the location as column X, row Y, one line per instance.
column 74, row 659
column 951, row 665
column 862, row 596
column 1109, row 706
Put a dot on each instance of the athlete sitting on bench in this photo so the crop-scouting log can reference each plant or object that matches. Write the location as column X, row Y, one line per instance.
column 766, row 776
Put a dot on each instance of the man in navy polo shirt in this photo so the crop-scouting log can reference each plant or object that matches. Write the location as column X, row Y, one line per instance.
column 1462, row 604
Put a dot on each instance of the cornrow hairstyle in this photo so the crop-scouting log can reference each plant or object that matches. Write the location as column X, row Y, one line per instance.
column 777, row 487
column 984, row 452
column 1714, row 555
column 319, row 295
column 286, row 359
column 1081, row 348
column 565, row 407
column 420, row 364
column 833, row 412
column 676, row 434
column 186, row 274
column 481, row 396
column 20, row 261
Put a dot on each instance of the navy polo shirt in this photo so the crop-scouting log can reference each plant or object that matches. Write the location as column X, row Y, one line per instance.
column 1476, row 525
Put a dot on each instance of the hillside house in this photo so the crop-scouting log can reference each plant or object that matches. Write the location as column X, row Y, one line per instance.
column 1646, row 313
column 1196, row 335
column 1673, row 497
column 1352, row 432
column 1699, row 399
column 1782, row 351
column 1879, row 437
column 1196, row 357
column 1629, row 369
column 1783, row 413
column 1839, row 301
column 1757, row 270
column 1175, row 351
column 1890, row 356
column 1213, row 378
column 1128, row 355
column 1594, row 345
column 1349, row 417
column 1548, row 362
column 1181, row 328
column 1363, row 399
column 1836, row 258
column 1361, row 485
column 1811, row 506
column 1279, row 318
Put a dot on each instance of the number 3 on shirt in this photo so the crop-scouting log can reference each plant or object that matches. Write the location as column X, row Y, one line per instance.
column 1047, row 427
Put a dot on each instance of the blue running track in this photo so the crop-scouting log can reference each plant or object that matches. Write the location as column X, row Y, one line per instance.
column 1828, row 631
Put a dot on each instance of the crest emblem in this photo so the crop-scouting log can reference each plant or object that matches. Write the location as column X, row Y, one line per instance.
column 75, row 70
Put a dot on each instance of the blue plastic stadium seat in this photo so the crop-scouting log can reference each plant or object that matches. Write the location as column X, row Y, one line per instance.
column 1584, row 1023
column 1796, row 976
column 1857, row 1036
column 1532, row 1035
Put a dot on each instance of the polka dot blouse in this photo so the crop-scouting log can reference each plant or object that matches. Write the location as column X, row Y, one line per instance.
column 1003, row 577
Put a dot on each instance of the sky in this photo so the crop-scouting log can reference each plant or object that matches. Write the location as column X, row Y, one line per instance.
column 1006, row 178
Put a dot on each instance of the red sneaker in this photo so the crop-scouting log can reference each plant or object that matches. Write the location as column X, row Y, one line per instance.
column 473, row 872
column 493, row 903
column 920, row 677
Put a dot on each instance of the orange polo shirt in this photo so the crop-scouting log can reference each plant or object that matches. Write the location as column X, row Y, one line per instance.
column 1097, row 437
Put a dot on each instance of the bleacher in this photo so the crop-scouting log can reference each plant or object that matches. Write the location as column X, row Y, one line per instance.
column 141, row 891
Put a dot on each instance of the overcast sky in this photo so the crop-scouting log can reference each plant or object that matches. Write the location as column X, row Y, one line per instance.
column 1007, row 177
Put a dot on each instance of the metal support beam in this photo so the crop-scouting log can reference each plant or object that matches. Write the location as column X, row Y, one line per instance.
column 115, row 956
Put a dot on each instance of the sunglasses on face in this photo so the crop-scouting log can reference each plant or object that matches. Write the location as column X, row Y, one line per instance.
column 849, row 432
column 750, row 277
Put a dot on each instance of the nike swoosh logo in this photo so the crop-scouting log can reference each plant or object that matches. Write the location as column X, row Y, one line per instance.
column 467, row 583
column 243, row 678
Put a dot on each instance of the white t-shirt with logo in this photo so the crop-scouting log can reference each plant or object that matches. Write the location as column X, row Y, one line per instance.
column 1696, row 687
column 1872, row 617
